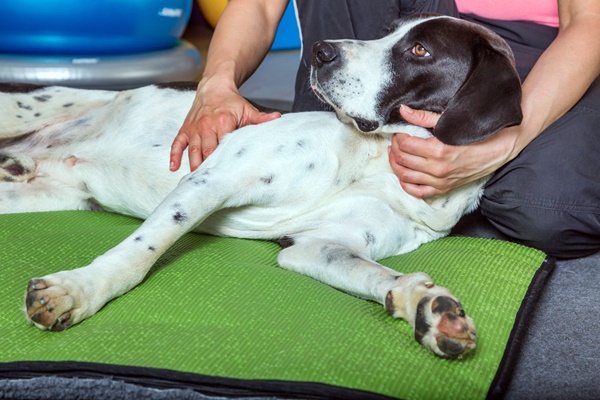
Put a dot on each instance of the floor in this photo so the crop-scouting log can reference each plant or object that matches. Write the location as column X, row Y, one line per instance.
column 273, row 82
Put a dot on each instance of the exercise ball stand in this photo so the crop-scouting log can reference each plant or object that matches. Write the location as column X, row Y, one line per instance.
column 180, row 63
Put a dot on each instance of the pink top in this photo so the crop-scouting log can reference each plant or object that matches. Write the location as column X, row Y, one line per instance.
column 543, row 12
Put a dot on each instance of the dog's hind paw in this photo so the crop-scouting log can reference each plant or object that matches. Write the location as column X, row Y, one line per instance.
column 440, row 323
column 53, row 303
column 16, row 168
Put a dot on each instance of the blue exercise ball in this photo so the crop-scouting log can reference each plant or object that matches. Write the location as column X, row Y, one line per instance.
column 91, row 26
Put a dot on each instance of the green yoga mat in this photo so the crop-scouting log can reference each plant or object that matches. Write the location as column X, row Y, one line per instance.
column 219, row 312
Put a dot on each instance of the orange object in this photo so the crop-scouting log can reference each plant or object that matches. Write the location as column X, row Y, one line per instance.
column 212, row 10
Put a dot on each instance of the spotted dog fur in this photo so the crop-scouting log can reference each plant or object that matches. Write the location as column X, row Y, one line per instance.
column 321, row 187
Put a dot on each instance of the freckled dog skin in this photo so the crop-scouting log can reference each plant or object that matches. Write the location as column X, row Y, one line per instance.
column 318, row 183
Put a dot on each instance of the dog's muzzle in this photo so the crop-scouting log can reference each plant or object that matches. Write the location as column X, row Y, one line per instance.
column 327, row 58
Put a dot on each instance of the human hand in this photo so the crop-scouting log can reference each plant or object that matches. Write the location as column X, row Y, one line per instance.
column 217, row 110
column 428, row 167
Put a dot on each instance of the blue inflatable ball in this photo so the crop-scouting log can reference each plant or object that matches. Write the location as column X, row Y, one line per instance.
column 91, row 26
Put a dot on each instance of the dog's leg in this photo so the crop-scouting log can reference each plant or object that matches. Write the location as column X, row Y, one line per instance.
column 16, row 167
column 24, row 189
column 435, row 314
column 31, row 110
column 39, row 196
column 59, row 300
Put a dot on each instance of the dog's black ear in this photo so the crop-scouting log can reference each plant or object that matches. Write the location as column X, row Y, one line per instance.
column 489, row 100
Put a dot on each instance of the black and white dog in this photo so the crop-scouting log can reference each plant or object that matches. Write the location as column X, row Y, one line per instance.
column 321, row 186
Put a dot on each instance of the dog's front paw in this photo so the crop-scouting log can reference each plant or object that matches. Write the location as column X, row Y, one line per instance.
column 442, row 326
column 55, row 302
column 439, row 321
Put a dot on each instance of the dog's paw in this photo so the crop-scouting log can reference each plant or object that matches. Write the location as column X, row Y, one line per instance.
column 54, row 302
column 440, row 322
column 16, row 168
column 442, row 326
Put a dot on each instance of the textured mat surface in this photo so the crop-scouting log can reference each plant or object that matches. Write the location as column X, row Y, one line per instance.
column 222, row 308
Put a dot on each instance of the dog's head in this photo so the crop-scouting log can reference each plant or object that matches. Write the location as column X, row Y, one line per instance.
column 427, row 62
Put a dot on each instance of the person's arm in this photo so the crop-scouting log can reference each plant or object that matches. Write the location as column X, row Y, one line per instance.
column 241, row 40
column 561, row 76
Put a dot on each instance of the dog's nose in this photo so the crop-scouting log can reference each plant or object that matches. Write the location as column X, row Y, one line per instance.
column 323, row 53
column 366, row 125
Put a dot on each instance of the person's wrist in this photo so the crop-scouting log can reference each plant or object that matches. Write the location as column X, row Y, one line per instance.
column 223, row 73
column 510, row 142
column 218, row 83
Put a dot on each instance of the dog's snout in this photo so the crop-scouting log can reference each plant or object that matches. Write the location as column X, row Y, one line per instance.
column 323, row 53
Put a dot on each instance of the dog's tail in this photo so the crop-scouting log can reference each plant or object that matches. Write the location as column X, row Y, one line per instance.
column 25, row 108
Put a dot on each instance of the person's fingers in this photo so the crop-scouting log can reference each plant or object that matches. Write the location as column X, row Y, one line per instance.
column 177, row 148
column 195, row 151
column 420, row 191
column 412, row 172
column 401, row 155
column 202, row 131
column 411, row 176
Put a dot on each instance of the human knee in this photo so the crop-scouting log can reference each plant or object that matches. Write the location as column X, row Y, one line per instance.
column 558, row 233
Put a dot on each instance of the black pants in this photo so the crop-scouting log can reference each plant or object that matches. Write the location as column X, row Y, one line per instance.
column 549, row 196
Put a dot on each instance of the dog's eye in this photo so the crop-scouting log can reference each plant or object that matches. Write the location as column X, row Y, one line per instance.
column 420, row 51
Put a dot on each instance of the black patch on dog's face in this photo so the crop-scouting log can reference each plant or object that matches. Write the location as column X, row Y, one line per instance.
column 427, row 83
column 469, row 77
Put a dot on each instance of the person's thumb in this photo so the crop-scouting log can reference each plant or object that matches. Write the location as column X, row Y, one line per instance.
column 425, row 119
column 260, row 117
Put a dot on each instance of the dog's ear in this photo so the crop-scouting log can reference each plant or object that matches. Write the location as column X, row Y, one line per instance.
column 489, row 100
